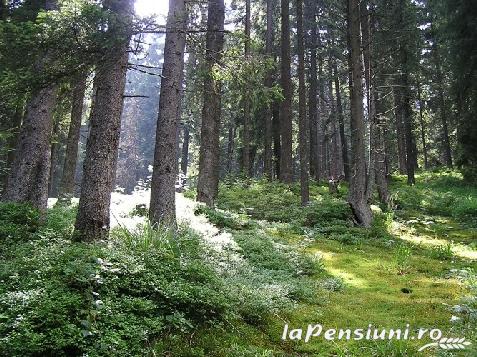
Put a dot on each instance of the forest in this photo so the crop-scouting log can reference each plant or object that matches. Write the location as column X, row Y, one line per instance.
column 238, row 178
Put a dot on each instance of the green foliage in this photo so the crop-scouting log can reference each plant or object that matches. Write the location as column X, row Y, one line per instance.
column 223, row 219
column 103, row 298
column 402, row 256
column 17, row 221
column 444, row 194
column 442, row 252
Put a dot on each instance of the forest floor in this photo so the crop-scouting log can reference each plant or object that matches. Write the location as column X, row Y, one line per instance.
column 232, row 279
column 416, row 266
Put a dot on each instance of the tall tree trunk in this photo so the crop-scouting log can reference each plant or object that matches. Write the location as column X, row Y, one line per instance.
column 276, row 139
column 304, row 146
column 423, row 129
column 336, row 161
column 400, row 131
column 286, row 128
column 67, row 184
column 54, row 153
column 321, row 122
column 339, row 110
column 29, row 174
column 246, row 97
column 162, row 210
column 99, row 169
column 268, row 157
column 357, row 194
column 208, row 182
column 231, row 147
column 311, row 23
column 444, row 113
column 185, row 150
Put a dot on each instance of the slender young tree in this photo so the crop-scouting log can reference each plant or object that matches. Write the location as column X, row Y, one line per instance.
column 208, row 181
column 99, row 168
column 163, row 208
column 286, row 129
column 246, row 96
column 29, row 175
column 357, row 190
column 304, row 146
column 67, row 184
column 267, row 160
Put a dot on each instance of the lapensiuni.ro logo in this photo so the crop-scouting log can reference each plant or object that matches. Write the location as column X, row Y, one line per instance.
column 435, row 335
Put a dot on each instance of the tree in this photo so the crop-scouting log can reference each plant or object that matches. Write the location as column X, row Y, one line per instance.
column 304, row 144
column 357, row 191
column 163, row 209
column 268, row 157
column 29, row 176
column 286, row 128
column 208, row 181
column 67, row 184
column 246, row 97
column 99, row 171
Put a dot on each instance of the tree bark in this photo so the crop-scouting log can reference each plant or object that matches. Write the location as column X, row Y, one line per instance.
column 246, row 97
column 99, row 169
column 268, row 157
column 276, row 138
column 29, row 175
column 339, row 110
column 357, row 194
column 12, row 141
column 185, row 150
column 423, row 129
column 67, row 184
column 304, row 146
column 208, row 182
column 286, row 127
column 162, row 209
column 311, row 8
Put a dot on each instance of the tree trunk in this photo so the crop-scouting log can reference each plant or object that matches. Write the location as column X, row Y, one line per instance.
column 400, row 131
column 311, row 23
column 67, row 184
column 357, row 194
column 423, row 129
column 276, row 138
column 99, row 170
column 231, row 147
column 267, row 159
column 12, row 141
column 246, row 97
column 320, row 122
column 162, row 210
column 29, row 175
column 444, row 113
column 304, row 146
column 185, row 150
column 54, row 153
column 339, row 110
column 208, row 182
column 286, row 128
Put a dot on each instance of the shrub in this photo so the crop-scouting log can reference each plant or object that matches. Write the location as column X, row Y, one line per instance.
column 18, row 221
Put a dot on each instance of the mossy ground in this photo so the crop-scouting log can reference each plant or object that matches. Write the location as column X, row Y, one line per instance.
column 370, row 263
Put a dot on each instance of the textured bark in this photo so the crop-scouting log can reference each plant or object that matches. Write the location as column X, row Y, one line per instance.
column 380, row 152
column 208, row 182
column 29, row 176
column 304, row 145
column 163, row 208
column 357, row 194
column 321, row 170
column 400, row 131
column 54, row 153
column 423, row 129
column 276, row 138
column 231, row 147
column 246, row 97
column 408, row 126
column 267, row 158
column 311, row 23
column 339, row 112
column 12, row 141
column 67, row 184
column 185, row 150
column 444, row 113
column 336, row 160
column 286, row 128
column 99, row 170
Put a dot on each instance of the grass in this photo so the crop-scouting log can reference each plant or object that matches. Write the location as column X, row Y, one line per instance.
column 158, row 292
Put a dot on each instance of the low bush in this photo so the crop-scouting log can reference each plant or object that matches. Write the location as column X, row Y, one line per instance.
column 18, row 221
